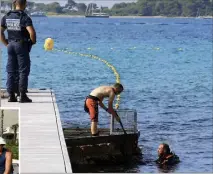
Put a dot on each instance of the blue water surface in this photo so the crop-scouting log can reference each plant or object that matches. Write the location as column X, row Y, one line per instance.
column 165, row 66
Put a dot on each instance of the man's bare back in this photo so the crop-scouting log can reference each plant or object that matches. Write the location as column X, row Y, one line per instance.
column 103, row 92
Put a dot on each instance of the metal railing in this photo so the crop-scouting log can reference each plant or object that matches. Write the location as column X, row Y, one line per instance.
column 128, row 118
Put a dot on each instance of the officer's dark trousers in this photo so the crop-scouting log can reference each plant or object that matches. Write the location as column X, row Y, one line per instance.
column 18, row 67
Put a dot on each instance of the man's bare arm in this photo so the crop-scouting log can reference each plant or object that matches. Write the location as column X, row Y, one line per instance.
column 3, row 39
column 110, row 103
column 32, row 33
column 8, row 163
column 103, row 106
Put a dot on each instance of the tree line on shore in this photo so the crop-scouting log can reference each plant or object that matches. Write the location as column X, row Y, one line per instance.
column 189, row 8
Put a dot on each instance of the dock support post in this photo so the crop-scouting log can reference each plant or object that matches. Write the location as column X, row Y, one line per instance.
column 135, row 122
column 112, row 125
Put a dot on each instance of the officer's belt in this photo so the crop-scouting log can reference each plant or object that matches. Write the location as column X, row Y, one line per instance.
column 18, row 40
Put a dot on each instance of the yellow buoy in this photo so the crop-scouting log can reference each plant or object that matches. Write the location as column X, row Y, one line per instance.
column 49, row 44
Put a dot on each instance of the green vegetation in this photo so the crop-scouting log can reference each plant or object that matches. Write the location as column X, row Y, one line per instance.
column 189, row 8
column 164, row 8
column 14, row 148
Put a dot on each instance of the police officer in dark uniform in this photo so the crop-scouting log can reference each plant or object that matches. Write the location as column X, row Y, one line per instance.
column 21, row 37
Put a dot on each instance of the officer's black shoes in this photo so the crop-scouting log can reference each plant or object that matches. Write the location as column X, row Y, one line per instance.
column 12, row 98
column 24, row 99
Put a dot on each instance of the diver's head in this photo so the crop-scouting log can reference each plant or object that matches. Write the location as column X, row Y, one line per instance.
column 20, row 4
column 118, row 88
column 163, row 149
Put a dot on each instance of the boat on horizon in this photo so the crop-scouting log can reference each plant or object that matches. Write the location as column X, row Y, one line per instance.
column 90, row 14
column 97, row 15
column 38, row 14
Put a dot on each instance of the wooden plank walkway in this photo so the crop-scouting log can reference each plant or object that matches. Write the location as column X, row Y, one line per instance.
column 42, row 144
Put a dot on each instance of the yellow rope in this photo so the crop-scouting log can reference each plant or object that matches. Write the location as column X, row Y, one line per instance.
column 100, row 59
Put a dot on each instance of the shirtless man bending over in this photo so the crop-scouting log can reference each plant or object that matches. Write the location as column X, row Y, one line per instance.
column 96, row 98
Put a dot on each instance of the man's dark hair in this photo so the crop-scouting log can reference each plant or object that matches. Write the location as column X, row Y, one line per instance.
column 166, row 148
column 118, row 85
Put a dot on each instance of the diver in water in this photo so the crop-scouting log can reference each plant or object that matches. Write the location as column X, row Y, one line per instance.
column 165, row 156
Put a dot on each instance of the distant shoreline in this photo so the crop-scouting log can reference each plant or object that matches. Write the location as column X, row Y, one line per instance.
column 81, row 16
